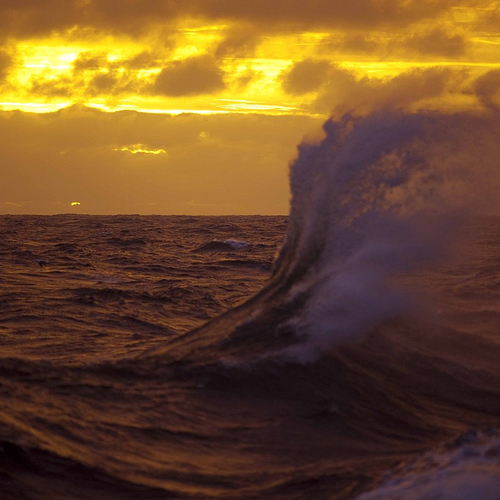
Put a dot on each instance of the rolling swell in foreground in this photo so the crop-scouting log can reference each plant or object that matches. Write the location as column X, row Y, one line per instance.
column 366, row 367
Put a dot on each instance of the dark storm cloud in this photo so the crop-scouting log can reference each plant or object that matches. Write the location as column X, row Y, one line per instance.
column 134, row 17
column 305, row 76
column 193, row 76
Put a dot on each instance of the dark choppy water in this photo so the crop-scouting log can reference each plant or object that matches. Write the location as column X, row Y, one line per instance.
column 366, row 367
column 111, row 286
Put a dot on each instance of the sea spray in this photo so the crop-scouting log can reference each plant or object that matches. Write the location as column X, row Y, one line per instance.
column 378, row 197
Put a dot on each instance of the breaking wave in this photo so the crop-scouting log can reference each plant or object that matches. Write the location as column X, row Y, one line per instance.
column 377, row 199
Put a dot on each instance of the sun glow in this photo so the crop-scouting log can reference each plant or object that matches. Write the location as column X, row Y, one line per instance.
column 195, row 67
column 215, row 94
column 141, row 149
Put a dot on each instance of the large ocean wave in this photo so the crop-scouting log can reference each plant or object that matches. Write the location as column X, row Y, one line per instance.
column 377, row 199
column 348, row 321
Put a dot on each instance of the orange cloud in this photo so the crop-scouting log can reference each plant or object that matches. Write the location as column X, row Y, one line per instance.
column 238, row 41
column 344, row 92
column 5, row 64
column 137, row 17
column 437, row 42
column 487, row 89
column 50, row 87
column 33, row 18
column 306, row 76
column 326, row 13
column 356, row 42
column 423, row 42
column 193, row 76
column 93, row 74
column 88, row 61
column 143, row 60
column 488, row 18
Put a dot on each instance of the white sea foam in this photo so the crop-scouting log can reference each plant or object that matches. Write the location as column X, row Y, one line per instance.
column 236, row 244
column 469, row 472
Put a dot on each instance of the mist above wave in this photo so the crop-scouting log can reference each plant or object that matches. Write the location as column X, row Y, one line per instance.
column 378, row 197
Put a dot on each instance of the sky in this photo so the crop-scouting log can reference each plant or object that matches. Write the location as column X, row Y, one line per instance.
column 197, row 106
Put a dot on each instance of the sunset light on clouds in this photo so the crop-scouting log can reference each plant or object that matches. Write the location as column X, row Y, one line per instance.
column 159, row 106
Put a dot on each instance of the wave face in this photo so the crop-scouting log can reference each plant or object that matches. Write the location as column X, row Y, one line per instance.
column 366, row 367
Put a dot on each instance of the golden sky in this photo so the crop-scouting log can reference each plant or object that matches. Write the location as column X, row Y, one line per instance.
column 197, row 106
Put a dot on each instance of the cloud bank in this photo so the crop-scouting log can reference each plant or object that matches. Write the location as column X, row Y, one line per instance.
column 222, row 164
column 135, row 17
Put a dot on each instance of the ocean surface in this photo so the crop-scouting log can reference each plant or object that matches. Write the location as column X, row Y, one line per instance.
column 348, row 351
